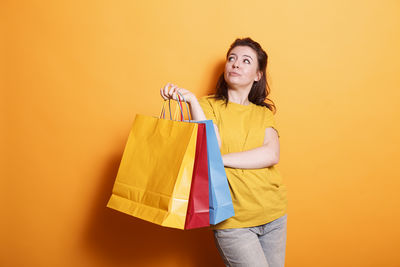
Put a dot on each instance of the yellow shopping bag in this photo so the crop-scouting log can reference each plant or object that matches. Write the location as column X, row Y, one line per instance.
column 155, row 173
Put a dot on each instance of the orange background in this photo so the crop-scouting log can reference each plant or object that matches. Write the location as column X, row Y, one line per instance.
column 75, row 73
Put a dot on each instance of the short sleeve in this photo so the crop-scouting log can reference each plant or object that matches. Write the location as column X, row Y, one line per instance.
column 269, row 120
column 208, row 109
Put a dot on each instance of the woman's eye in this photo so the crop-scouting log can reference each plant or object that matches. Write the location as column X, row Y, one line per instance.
column 231, row 58
column 246, row 61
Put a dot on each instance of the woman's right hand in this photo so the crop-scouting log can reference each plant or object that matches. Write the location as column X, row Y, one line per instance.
column 169, row 91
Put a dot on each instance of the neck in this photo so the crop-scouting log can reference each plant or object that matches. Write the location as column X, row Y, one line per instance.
column 239, row 96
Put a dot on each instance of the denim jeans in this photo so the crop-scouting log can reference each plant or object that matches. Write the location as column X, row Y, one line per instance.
column 262, row 245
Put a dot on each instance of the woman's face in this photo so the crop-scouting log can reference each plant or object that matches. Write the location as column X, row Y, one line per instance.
column 241, row 67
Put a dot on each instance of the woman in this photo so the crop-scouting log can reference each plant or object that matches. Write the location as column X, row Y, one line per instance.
column 249, row 144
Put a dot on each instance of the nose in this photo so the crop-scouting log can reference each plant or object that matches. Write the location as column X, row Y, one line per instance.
column 235, row 64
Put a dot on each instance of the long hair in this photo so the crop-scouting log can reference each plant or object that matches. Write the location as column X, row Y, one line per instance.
column 260, row 89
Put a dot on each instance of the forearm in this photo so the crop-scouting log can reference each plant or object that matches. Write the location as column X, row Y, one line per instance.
column 198, row 115
column 196, row 110
column 260, row 157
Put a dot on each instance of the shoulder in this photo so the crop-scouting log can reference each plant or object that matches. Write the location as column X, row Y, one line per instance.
column 210, row 100
column 263, row 109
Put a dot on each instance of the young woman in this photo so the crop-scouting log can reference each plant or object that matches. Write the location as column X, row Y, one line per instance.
column 249, row 144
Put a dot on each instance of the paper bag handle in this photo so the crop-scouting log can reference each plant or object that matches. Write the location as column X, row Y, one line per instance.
column 162, row 114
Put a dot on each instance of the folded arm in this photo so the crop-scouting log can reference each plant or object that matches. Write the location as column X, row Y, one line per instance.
column 261, row 157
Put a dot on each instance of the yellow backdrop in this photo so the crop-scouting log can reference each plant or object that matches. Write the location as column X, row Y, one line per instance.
column 75, row 73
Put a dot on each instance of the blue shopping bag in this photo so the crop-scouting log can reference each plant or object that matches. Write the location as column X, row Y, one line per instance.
column 220, row 200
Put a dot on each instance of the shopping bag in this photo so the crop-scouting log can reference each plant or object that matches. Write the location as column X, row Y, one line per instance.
column 221, row 207
column 154, row 177
column 198, row 210
column 220, row 200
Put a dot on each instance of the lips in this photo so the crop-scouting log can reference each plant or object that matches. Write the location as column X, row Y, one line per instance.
column 235, row 74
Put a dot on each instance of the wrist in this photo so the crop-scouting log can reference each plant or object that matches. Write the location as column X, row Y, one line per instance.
column 191, row 98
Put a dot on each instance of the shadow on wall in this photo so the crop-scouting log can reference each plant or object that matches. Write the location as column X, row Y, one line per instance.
column 118, row 239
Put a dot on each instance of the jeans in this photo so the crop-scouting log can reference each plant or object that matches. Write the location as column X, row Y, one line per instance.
column 262, row 245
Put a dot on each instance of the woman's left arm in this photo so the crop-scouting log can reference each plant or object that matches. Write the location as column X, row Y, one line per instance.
column 261, row 157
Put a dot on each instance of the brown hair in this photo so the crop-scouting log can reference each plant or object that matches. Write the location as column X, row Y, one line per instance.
column 260, row 89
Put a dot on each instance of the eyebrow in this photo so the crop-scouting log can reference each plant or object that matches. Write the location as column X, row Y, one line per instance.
column 243, row 55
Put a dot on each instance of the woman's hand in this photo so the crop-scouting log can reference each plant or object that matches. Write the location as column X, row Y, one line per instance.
column 169, row 91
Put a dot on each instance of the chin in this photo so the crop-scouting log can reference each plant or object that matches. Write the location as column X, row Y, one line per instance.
column 233, row 84
column 233, row 81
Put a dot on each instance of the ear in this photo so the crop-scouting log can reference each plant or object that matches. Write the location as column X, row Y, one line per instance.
column 259, row 75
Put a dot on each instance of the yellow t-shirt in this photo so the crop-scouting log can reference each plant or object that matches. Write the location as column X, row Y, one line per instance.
column 258, row 195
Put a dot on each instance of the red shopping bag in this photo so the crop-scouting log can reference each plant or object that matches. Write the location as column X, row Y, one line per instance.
column 198, row 208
